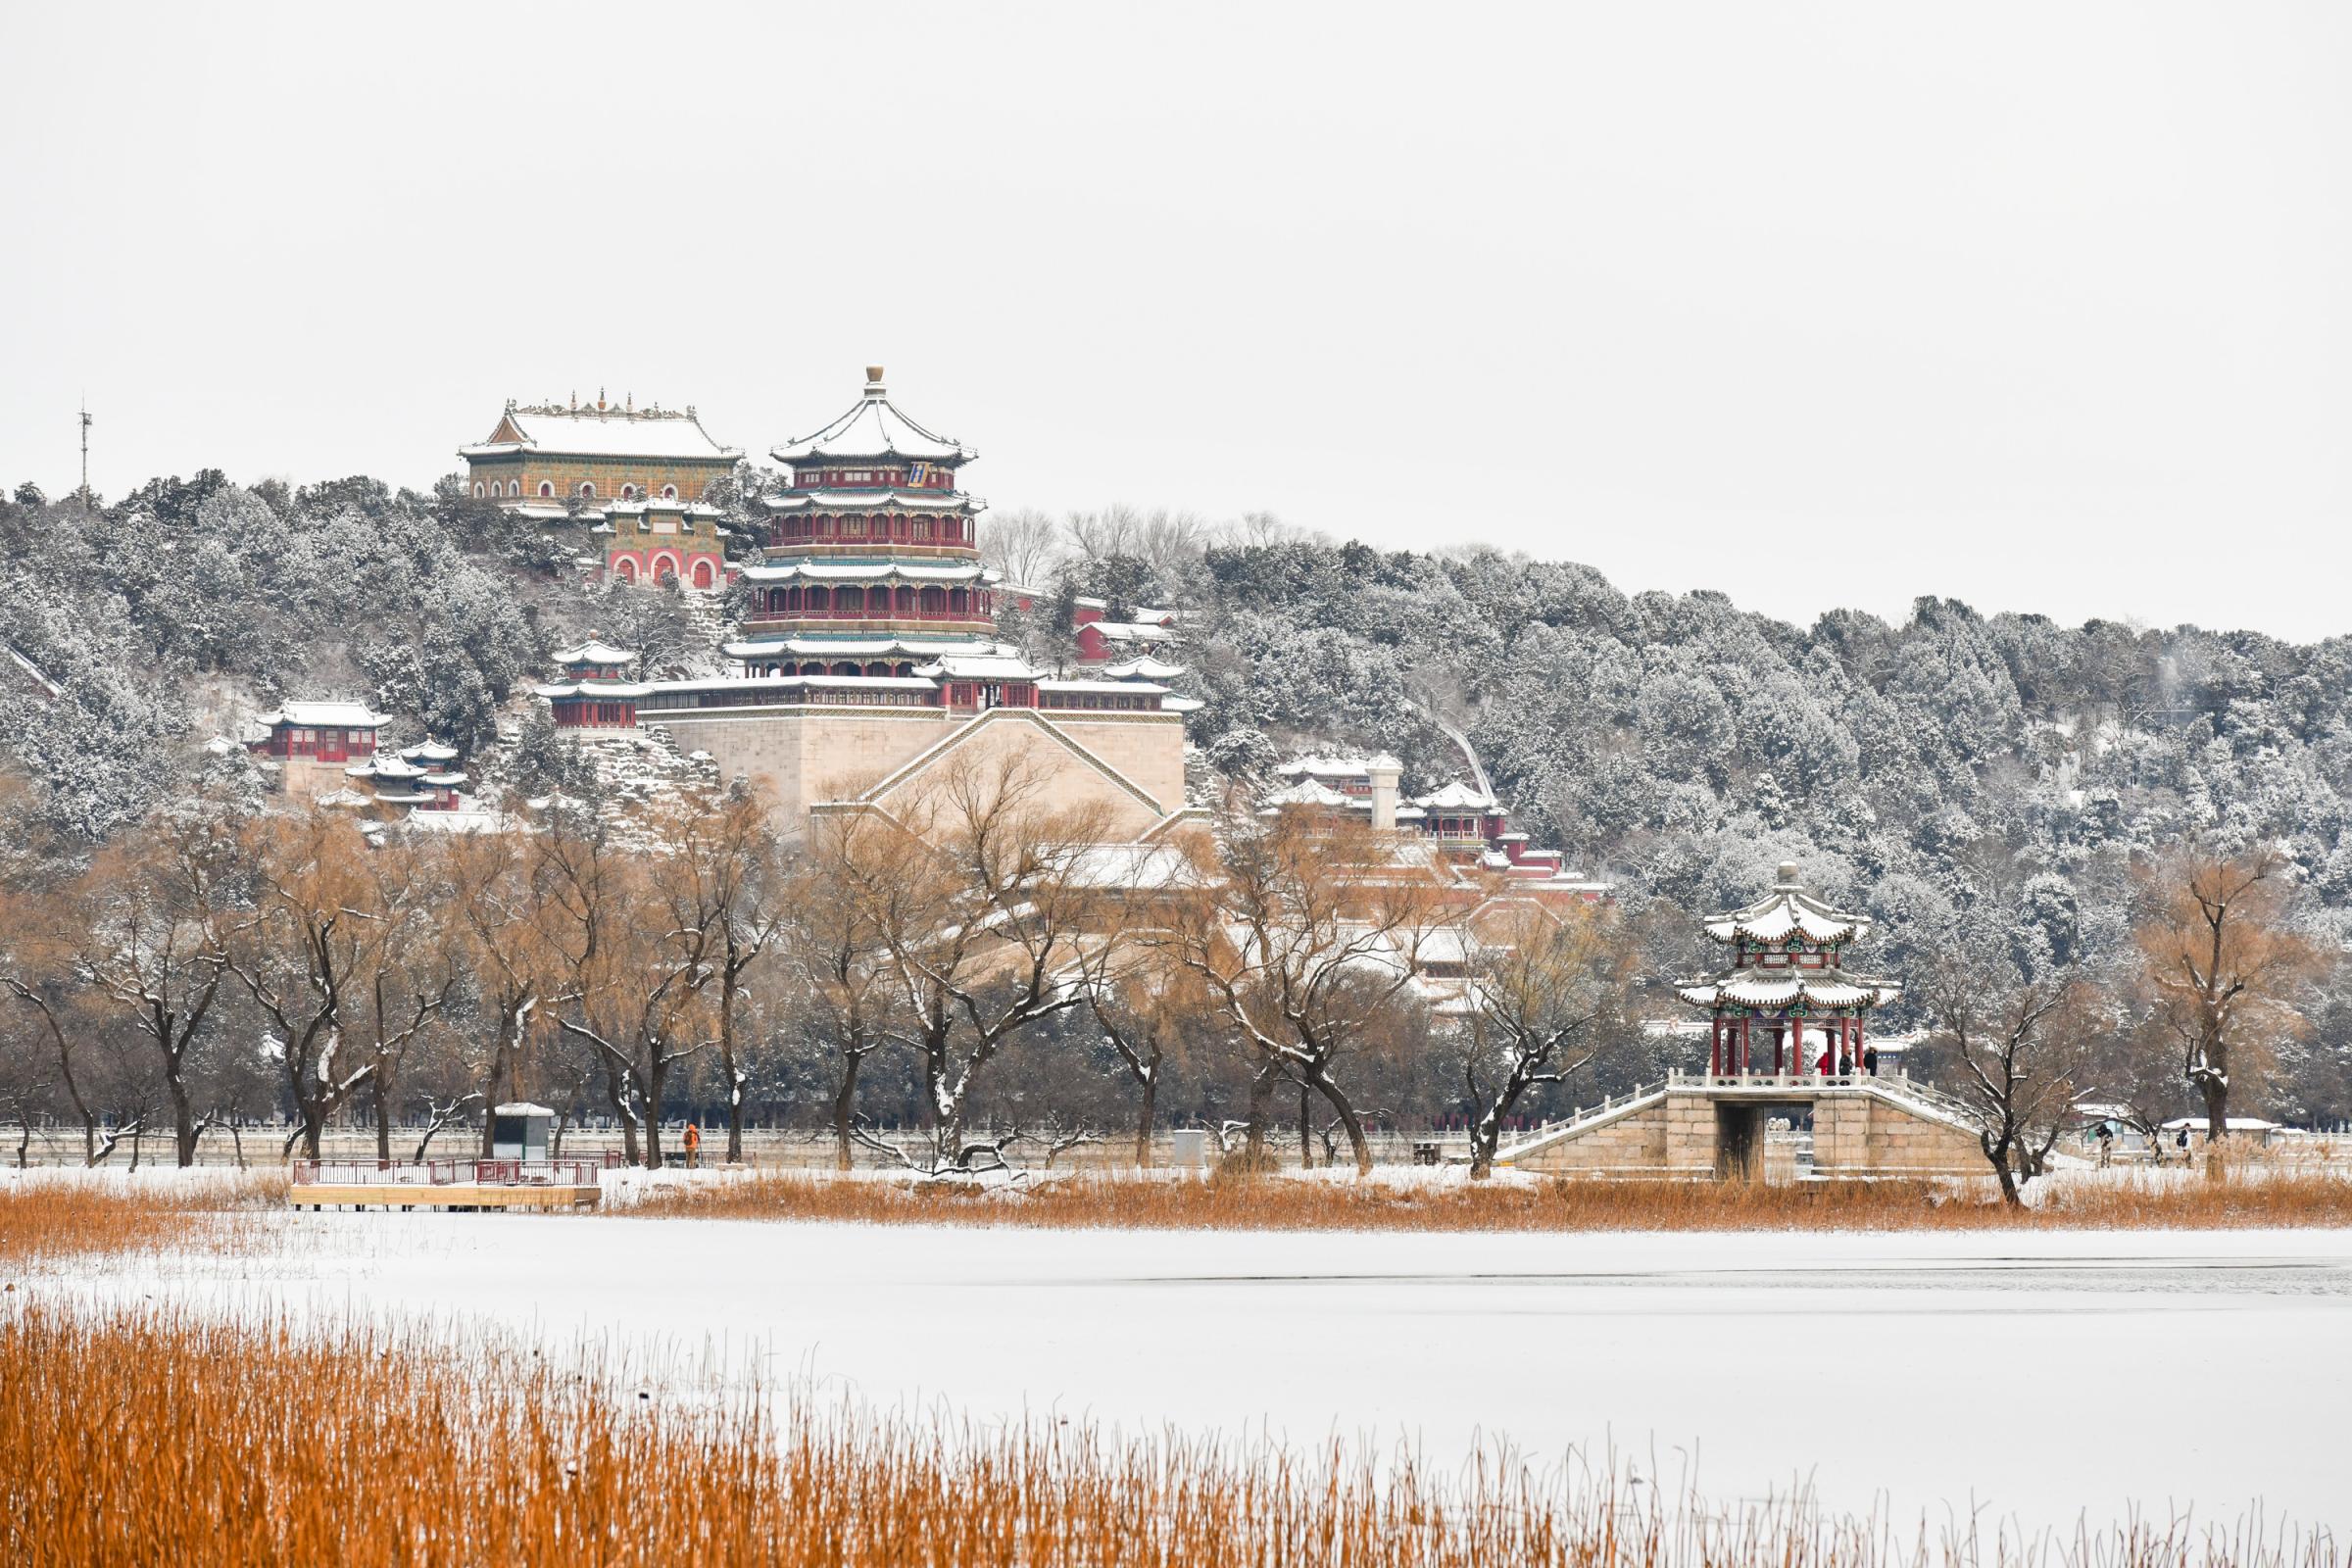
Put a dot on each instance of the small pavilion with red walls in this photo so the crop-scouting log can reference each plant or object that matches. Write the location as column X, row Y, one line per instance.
column 1788, row 1005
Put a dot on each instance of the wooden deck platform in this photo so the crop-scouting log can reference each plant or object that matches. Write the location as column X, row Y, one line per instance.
column 445, row 1195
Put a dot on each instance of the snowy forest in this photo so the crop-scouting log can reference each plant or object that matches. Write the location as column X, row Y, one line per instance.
column 1996, row 793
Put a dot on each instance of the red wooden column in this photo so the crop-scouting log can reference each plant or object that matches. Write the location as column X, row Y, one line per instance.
column 1714, row 1047
column 1744, row 1034
column 1796, row 1046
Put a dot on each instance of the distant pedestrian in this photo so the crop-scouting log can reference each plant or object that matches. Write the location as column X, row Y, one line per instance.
column 1846, row 1064
column 1870, row 1060
column 2180, row 1139
column 694, row 1145
column 1823, row 1066
column 2106, row 1143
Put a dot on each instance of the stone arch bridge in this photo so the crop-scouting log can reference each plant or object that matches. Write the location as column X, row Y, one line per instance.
column 1699, row 1126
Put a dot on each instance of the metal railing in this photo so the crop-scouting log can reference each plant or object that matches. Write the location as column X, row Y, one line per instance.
column 1896, row 1086
column 569, row 1171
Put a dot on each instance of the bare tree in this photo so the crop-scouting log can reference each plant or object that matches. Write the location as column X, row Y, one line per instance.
column 1313, row 932
column 977, row 895
column 731, row 869
column 1537, row 981
column 1026, row 546
column 153, row 945
column 835, row 947
column 1141, row 995
column 498, row 909
column 410, row 966
column 642, row 944
column 2225, row 966
column 2020, row 1037
column 314, row 932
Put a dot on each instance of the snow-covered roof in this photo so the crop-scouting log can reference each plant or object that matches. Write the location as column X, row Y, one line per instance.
column 691, row 509
column 1139, row 614
column 870, row 571
column 326, row 716
column 723, row 683
column 462, row 819
column 1776, row 989
column 1129, row 631
column 985, row 666
column 429, row 749
column 1316, row 766
column 1788, row 910
column 859, row 647
column 593, row 688
column 1308, row 792
column 602, row 433
column 1132, row 866
column 2234, row 1124
column 594, row 651
column 344, row 795
column 874, row 428
column 521, row 1107
column 1130, row 688
column 892, row 500
column 1142, row 667
column 1456, row 797
column 383, row 766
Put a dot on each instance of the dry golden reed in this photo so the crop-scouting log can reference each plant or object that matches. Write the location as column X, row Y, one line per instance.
column 51, row 1217
column 149, row 1437
column 1273, row 1203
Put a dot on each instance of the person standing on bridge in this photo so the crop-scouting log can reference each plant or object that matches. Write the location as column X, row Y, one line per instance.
column 694, row 1145
column 1870, row 1060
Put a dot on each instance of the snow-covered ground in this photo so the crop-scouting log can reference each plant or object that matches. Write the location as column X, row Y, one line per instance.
column 2043, row 1376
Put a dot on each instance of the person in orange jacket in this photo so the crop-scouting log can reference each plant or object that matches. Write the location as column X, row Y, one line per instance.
column 694, row 1145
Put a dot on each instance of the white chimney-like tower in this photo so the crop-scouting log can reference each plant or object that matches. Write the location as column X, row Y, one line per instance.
column 1384, row 771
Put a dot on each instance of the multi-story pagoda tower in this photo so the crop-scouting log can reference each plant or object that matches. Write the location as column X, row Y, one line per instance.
column 1788, row 989
column 869, row 668
column 873, row 564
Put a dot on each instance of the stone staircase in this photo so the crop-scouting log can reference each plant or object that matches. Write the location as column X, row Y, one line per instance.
column 1673, row 1124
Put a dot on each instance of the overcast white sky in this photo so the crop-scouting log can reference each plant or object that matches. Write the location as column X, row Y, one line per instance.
column 2042, row 305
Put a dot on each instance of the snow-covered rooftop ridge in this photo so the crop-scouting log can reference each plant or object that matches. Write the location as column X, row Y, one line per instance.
column 1129, row 688
column 642, row 504
column 430, row 750
column 1456, row 797
column 602, row 433
column 1776, row 989
column 1138, row 615
column 1313, row 766
column 594, row 651
column 839, row 646
column 1147, row 634
column 870, row 571
column 327, row 715
column 1788, row 910
column 873, row 427
column 1308, row 792
column 1142, row 667
column 869, row 500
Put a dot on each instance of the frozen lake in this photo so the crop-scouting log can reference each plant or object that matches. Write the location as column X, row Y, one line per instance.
column 2042, row 1376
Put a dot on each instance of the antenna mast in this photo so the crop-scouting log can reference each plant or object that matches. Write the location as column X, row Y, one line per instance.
column 86, row 454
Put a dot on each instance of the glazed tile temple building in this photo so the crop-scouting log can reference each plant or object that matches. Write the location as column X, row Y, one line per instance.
column 869, row 659
column 639, row 475
column 1788, row 1003
column 1462, row 824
